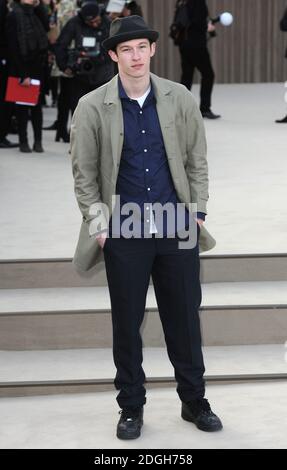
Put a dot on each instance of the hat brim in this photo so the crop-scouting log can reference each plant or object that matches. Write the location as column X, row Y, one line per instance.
column 112, row 42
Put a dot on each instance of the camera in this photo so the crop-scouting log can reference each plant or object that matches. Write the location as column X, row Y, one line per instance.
column 85, row 60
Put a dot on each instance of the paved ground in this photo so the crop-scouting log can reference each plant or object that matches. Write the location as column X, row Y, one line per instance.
column 247, row 161
column 254, row 416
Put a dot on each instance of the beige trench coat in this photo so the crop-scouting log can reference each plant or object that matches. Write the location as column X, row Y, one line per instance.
column 97, row 134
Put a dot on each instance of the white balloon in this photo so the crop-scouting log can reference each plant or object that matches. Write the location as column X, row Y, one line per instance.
column 226, row 19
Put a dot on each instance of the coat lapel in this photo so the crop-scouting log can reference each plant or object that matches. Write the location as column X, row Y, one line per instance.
column 164, row 106
column 165, row 114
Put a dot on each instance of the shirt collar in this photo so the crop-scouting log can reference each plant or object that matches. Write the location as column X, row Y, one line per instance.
column 123, row 95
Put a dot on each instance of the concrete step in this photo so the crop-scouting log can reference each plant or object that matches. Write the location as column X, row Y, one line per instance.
column 38, row 273
column 21, row 372
column 67, row 318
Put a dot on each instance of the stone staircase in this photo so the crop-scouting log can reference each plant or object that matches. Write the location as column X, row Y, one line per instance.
column 56, row 336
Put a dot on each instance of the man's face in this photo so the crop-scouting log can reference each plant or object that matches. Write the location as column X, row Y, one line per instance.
column 94, row 22
column 133, row 57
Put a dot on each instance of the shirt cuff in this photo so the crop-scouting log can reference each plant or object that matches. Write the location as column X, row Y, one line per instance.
column 94, row 235
column 201, row 215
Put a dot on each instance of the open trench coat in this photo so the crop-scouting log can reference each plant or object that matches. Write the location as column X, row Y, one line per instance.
column 97, row 135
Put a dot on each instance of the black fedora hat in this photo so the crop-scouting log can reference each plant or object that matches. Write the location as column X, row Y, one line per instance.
column 127, row 28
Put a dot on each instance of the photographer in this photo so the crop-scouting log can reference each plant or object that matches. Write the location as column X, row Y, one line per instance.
column 79, row 52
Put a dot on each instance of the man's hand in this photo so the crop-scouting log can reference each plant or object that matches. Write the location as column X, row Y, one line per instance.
column 68, row 72
column 210, row 27
column 200, row 222
column 26, row 82
column 101, row 239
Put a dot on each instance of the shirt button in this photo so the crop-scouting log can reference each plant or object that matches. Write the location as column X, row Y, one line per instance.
column 143, row 132
column 148, row 189
column 147, row 220
column 145, row 150
column 141, row 112
column 147, row 169
column 147, row 208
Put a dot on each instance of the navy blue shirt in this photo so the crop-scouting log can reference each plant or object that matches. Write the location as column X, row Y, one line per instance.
column 144, row 176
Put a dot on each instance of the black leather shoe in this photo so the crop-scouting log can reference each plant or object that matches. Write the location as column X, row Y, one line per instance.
column 282, row 121
column 209, row 114
column 130, row 423
column 24, row 147
column 199, row 412
column 37, row 147
column 6, row 144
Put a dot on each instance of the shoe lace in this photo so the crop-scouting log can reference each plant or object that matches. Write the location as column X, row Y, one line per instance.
column 201, row 404
column 204, row 404
column 129, row 414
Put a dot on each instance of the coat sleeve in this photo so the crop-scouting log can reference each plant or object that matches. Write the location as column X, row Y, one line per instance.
column 84, row 149
column 64, row 43
column 19, row 65
column 42, row 14
column 197, row 166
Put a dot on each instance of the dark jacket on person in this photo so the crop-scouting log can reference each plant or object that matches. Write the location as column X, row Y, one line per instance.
column 3, row 40
column 283, row 25
column 73, row 32
column 198, row 19
column 283, row 22
column 26, row 33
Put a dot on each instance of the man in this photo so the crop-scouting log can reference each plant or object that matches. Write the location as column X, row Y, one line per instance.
column 283, row 27
column 141, row 137
column 194, row 54
column 66, row 9
column 88, row 65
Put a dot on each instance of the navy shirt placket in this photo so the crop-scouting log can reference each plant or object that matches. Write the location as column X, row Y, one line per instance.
column 144, row 175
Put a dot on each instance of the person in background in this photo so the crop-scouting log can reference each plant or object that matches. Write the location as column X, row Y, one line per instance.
column 194, row 54
column 66, row 10
column 122, row 8
column 6, row 108
column 87, row 63
column 114, row 8
column 283, row 27
column 26, row 30
column 132, row 8
column 51, row 81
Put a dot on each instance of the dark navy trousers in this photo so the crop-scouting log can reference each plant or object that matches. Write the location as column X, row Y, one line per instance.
column 175, row 275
